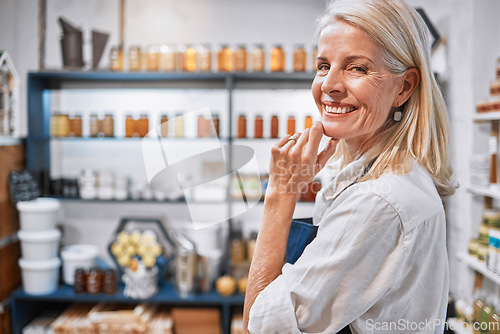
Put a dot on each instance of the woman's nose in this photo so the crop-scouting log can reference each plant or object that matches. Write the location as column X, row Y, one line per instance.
column 333, row 83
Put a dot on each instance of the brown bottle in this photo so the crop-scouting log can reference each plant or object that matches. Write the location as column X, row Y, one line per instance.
column 108, row 126
column 225, row 59
column 290, row 125
column 258, row 128
column 80, row 281
column 63, row 125
column 299, row 59
column 242, row 126
column 129, row 126
column 109, row 282
column 275, row 129
column 277, row 59
column 75, row 126
column 143, row 125
column 189, row 59
column 202, row 126
column 308, row 123
column 152, row 59
column 94, row 281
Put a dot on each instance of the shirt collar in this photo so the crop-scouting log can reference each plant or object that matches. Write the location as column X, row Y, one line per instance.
column 346, row 177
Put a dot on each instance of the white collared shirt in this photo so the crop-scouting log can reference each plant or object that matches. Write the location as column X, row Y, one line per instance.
column 378, row 263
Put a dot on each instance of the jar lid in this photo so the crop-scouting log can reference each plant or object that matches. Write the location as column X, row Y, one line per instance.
column 79, row 252
column 39, row 236
column 39, row 265
column 41, row 204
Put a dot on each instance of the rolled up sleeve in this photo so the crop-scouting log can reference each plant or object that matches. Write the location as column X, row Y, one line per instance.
column 343, row 272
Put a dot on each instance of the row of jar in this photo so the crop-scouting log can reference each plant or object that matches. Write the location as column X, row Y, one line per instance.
column 199, row 58
column 63, row 125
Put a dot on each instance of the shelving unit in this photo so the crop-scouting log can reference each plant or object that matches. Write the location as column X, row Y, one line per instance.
column 483, row 191
column 485, row 117
column 40, row 87
column 25, row 307
column 479, row 267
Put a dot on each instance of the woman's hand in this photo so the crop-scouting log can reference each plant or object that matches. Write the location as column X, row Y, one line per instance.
column 294, row 163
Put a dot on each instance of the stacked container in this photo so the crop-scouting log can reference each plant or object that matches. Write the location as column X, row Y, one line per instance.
column 39, row 245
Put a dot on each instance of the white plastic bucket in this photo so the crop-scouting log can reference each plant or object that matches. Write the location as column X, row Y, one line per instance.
column 39, row 214
column 39, row 246
column 40, row 277
column 77, row 256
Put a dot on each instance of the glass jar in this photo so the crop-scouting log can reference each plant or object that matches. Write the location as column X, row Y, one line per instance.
column 308, row 122
column 242, row 127
column 314, row 58
column 189, row 59
column 258, row 127
column 299, row 59
column 142, row 125
column 290, row 126
column 94, row 280
column 134, row 58
column 116, row 59
column 75, row 126
column 167, row 58
column 54, row 131
column 179, row 125
column 164, row 126
column 129, row 126
column 152, row 59
column 108, row 128
column 258, row 58
column 94, row 126
column 80, row 281
column 63, row 125
column 204, row 56
column 240, row 59
column 225, row 59
column 110, row 282
column 277, row 59
column 202, row 126
column 275, row 127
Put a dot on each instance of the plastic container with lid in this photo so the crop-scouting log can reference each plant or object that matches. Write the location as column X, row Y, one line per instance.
column 77, row 256
column 40, row 277
column 39, row 214
column 40, row 245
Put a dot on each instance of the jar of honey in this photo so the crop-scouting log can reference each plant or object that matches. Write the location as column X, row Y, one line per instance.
column 290, row 126
column 299, row 59
column 225, row 59
column 314, row 58
column 110, row 282
column 152, row 55
column 116, row 59
column 108, row 128
column 63, row 125
column 258, row 58
column 164, row 126
column 242, row 127
column 179, row 125
column 240, row 59
column 204, row 56
column 142, row 125
column 75, row 126
column 94, row 125
column 275, row 126
column 308, row 122
column 80, row 285
column 167, row 58
column 189, row 59
column 258, row 128
column 129, row 126
column 94, row 280
column 277, row 59
column 134, row 58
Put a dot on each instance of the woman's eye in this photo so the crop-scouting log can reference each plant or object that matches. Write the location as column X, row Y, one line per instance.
column 323, row 67
column 359, row 69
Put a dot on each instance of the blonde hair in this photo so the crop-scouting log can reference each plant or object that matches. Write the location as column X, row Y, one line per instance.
column 423, row 132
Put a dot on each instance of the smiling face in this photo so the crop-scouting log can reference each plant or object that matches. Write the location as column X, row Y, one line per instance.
column 353, row 89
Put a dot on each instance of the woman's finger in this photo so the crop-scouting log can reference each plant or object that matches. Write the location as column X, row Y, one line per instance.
column 327, row 153
column 291, row 142
column 302, row 142
column 315, row 136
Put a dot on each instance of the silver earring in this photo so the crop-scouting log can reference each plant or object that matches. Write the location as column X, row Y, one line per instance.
column 398, row 114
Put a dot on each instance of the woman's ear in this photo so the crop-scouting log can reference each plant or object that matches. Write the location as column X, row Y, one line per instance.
column 411, row 79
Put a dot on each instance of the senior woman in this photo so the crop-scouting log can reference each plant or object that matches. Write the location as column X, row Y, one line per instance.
column 379, row 261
